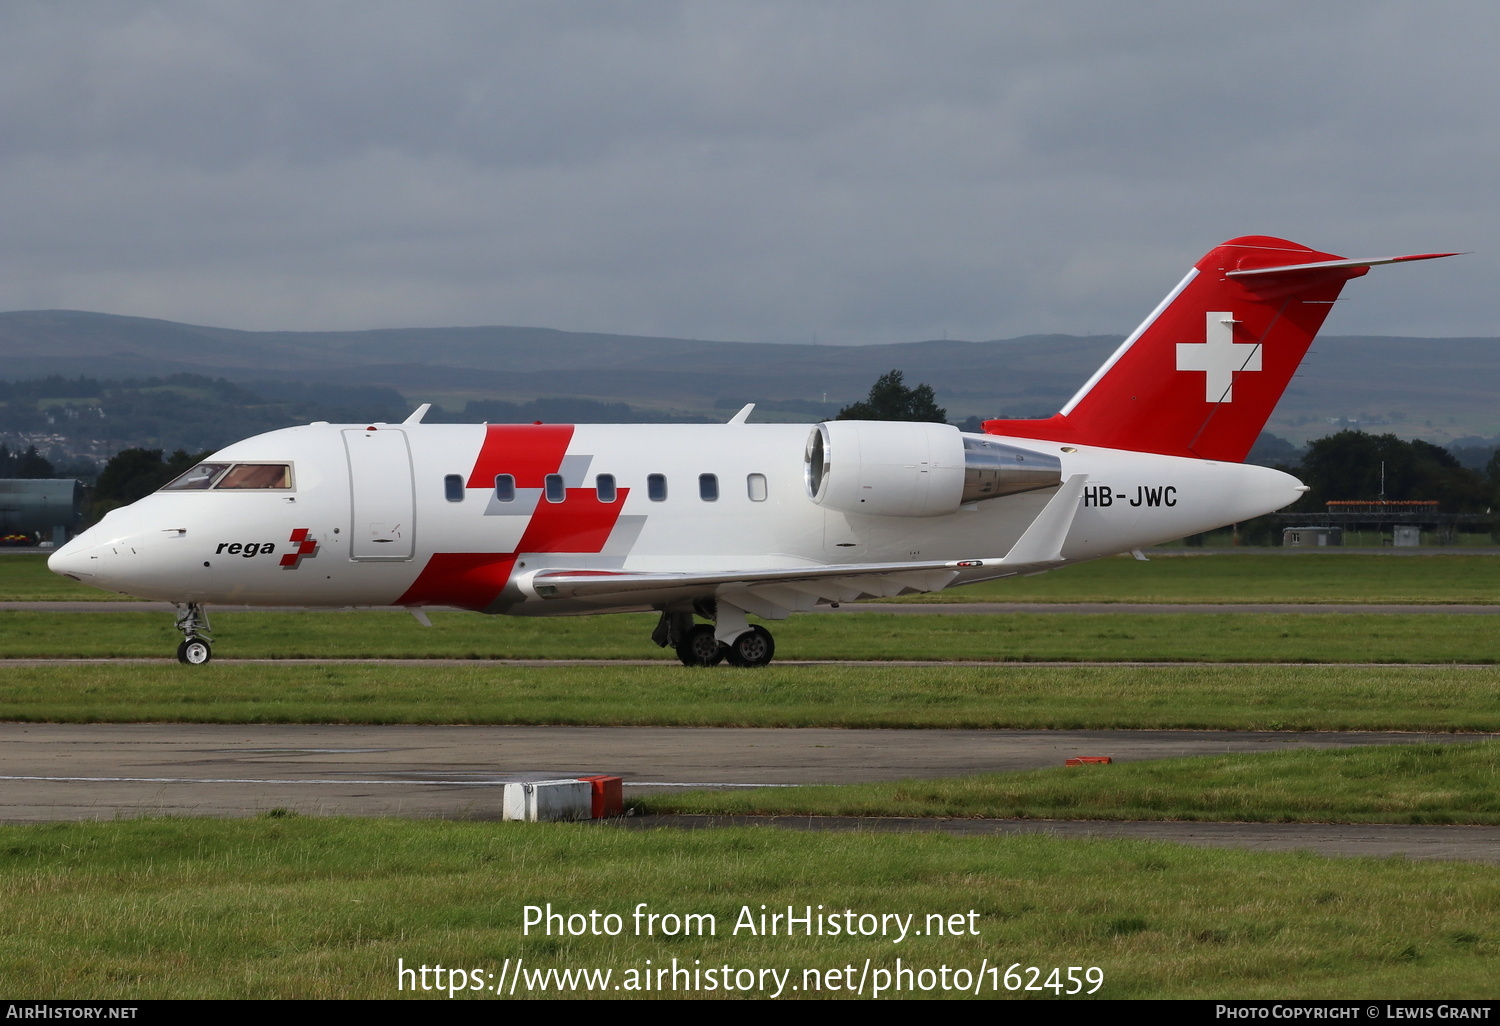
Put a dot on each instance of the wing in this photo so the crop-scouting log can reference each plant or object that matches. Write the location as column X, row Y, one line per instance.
column 776, row 593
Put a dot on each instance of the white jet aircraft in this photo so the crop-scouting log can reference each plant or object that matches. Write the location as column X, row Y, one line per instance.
column 724, row 521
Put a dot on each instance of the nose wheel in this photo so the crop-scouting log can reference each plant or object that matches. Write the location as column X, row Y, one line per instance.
column 197, row 636
column 194, row 652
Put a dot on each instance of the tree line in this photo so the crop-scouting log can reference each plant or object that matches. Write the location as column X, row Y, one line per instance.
column 1353, row 465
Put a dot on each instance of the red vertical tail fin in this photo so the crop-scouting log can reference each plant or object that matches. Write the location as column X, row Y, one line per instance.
column 1201, row 376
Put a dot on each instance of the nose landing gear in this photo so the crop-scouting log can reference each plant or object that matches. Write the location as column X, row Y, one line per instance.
column 194, row 652
column 197, row 636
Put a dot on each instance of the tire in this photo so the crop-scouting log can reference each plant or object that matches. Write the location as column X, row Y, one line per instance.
column 753, row 648
column 194, row 652
column 699, row 647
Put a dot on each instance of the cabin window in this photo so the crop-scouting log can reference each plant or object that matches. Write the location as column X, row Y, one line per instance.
column 755, row 485
column 453, row 487
column 557, row 491
column 656, row 487
column 708, row 487
column 505, row 488
column 604, row 487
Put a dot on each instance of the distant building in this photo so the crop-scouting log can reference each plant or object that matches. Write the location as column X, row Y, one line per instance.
column 42, row 510
column 1404, row 519
column 1300, row 537
column 1406, row 536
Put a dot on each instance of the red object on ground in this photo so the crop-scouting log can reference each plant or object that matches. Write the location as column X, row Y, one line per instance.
column 608, row 798
column 1088, row 760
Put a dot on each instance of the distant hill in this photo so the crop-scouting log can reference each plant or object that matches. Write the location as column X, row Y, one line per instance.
column 1438, row 389
column 517, row 364
column 1432, row 388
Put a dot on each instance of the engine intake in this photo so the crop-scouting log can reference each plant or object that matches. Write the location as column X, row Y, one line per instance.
column 901, row 469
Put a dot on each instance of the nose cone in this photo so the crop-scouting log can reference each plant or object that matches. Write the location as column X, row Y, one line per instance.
column 104, row 556
column 71, row 560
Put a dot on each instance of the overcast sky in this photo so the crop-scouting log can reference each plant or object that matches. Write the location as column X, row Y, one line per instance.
column 763, row 171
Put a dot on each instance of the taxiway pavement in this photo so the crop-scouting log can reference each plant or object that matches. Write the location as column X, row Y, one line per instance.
column 109, row 771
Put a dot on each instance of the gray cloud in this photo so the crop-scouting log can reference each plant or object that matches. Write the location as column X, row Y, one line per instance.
column 772, row 171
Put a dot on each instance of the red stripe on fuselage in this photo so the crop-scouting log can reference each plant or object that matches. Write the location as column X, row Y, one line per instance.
column 581, row 523
column 578, row 524
column 527, row 452
column 468, row 580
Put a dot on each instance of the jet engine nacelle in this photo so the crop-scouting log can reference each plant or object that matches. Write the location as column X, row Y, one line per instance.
column 901, row 469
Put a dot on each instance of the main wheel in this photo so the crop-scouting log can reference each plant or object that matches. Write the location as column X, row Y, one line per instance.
column 753, row 648
column 699, row 647
column 194, row 652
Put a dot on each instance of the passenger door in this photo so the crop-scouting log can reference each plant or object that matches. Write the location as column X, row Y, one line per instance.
column 382, row 498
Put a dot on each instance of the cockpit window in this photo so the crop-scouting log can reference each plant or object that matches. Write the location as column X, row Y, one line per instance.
column 241, row 476
column 257, row 475
column 201, row 476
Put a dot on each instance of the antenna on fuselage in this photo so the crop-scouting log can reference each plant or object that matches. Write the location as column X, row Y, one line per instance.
column 418, row 414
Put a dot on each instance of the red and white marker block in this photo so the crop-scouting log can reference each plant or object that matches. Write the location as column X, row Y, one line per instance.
column 575, row 798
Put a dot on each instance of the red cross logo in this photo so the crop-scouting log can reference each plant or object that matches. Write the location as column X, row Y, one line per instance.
column 305, row 547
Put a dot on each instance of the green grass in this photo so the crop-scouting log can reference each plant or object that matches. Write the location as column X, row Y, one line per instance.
column 324, row 909
column 305, row 908
column 1279, row 576
column 1021, row 696
column 24, row 577
column 1169, row 637
column 292, row 907
column 1445, row 783
column 1282, row 576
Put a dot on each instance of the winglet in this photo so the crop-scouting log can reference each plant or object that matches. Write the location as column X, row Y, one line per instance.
column 418, row 414
column 1043, row 540
column 743, row 417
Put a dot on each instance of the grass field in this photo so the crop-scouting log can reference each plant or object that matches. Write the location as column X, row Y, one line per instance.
column 1022, row 696
column 1282, row 576
column 1066, row 637
column 24, row 577
column 292, row 907
column 1169, row 576
column 270, row 908
column 1385, row 784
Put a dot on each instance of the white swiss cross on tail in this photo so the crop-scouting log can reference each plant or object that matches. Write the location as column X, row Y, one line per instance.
column 1218, row 357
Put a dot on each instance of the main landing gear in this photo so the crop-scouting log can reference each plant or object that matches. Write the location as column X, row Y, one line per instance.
column 699, row 647
column 696, row 645
column 197, row 636
column 753, row 648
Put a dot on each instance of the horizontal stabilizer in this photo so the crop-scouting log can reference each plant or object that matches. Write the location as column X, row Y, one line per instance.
column 1330, row 265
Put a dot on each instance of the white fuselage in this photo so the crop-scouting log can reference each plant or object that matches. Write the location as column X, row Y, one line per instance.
column 386, row 525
